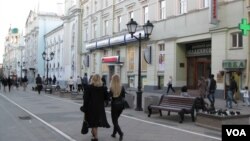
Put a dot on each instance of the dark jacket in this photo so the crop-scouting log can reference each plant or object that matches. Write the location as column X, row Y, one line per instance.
column 118, row 102
column 39, row 80
column 94, row 110
column 212, row 86
column 233, row 86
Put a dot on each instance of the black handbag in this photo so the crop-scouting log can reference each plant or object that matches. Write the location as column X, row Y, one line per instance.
column 120, row 102
column 85, row 127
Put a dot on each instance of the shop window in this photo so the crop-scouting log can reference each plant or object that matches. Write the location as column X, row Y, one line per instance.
column 143, row 62
column 236, row 40
column 104, row 65
column 131, row 59
column 131, row 81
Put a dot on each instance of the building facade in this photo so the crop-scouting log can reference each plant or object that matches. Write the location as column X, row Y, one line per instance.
column 72, row 43
column 54, row 43
column 14, row 45
column 37, row 25
column 190, row 39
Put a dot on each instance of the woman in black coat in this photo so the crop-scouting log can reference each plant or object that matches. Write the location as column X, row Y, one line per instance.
column 94, row 97
column 117, row 104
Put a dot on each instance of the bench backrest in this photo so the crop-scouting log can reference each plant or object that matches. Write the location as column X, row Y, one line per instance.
column 177, row 101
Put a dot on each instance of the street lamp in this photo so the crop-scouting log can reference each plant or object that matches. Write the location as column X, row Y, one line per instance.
column 148, row 28
column 44, row 54
column 21, row 65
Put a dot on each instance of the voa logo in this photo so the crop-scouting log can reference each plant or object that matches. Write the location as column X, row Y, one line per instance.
column 236, row 132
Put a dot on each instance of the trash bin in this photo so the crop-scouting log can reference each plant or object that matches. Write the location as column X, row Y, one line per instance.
column 151, row 100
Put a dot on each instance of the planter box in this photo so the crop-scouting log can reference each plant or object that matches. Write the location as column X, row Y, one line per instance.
column 215, row 122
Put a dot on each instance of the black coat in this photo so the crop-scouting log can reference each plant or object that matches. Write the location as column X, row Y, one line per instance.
column 94, row 98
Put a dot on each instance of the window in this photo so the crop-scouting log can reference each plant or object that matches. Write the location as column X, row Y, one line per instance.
column 94, row 62
column 143, row 62
column 145, row 12
column 237, row 40
column 106, row 3
column 119, row 23
column 87, row 11
column 131, row 58
column 73, row 36
column 162, row 9
column 86, row 34
column 131, row 15
column 94, row 31
column 95, row 6
column 183, row 6
column 161, row 62
column 106, row 27
column 204, row 3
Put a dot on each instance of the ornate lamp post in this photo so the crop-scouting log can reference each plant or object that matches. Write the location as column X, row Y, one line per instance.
column 21, row 65
column 148, row 28
column 45, row 58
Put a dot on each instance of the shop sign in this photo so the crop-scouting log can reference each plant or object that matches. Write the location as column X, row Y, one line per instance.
column 213, row 11
column 110, row 59
column 234, row 64
column 244, row 27
column 199, row 49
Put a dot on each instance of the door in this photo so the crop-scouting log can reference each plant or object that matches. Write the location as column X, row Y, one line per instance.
column 197, row 67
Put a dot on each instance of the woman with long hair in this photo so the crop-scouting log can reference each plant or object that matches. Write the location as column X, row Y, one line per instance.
column 94, row 97
column 118, row 93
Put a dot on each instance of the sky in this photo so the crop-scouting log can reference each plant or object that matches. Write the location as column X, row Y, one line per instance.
column 15, row 12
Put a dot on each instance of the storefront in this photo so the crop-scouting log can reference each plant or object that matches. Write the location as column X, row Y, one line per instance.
column 235, row 69
column 113, row 65
column 198, row 62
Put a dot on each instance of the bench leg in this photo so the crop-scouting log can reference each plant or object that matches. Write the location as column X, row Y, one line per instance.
column 149, row 111
column 192, row 115
column 181, row 114
column 169, row 113
column 160, row 113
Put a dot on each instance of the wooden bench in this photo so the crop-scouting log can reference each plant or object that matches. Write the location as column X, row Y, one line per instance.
column 181, row 105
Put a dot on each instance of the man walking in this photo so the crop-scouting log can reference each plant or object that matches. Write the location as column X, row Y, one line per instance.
column 212, row 88
column 170, row 84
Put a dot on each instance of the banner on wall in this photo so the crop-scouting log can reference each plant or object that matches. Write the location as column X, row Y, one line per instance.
column 213, row 12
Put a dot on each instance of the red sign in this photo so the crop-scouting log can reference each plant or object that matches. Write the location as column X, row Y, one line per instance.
column 110, row 59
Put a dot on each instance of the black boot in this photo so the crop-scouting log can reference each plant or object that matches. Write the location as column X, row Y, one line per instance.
column 121, row 137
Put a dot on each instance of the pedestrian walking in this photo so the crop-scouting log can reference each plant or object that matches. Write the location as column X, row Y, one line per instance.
column 5, row 83
column 231, row 89
column 93, row 107
column 245, row 93
column 24, row 82
column 212, row 88
column 70, row 83
column 54, row 80
column 39, row 83
column 117, row 93
column 234, row 88
column 170, row 84
column 85, row 81
column 9, row 80
column 202, row 86
column 79, row 83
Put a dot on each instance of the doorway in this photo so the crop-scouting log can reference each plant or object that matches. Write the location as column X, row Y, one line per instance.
column 197, row 67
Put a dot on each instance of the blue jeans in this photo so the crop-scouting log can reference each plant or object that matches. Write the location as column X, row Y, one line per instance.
column 229, row 99
column 211, row 98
